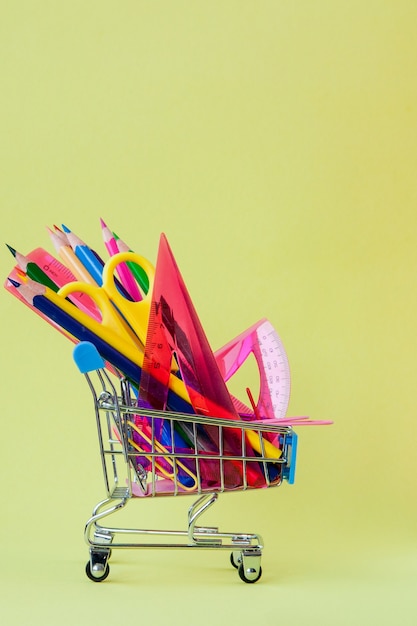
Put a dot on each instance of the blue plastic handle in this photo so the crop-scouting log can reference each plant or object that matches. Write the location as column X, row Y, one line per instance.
column 87, row 358
column 289, row 470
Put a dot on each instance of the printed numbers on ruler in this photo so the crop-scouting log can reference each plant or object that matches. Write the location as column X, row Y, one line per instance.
column 273, row 399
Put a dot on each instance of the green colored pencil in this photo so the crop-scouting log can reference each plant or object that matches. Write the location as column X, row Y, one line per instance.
column 136, row 270
column 32, row 270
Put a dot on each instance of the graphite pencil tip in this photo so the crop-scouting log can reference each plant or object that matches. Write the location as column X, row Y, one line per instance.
column 12, row 250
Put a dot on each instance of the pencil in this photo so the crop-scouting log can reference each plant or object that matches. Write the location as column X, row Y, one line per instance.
column 14, row 286
column 69, row 257
column 92, row 261
column 85, row 254
column 137, row 271
column 123, row 269
column 32, row 269
column 111, row 347
column 60, row 233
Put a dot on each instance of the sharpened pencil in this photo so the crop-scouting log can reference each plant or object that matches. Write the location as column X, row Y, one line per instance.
column 111, row 347
column 91, row 261
column 123, row 269
column 32, row 269
column 69, row 257
column 137, row 271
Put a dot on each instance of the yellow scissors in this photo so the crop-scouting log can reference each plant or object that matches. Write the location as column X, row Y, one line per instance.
column 123, row 323
column 126, row 319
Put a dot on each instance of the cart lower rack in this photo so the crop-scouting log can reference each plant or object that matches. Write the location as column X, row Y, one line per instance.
column 147, row 453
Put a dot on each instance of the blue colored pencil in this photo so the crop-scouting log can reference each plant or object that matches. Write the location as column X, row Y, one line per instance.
column 36, row 298
column 92, row 261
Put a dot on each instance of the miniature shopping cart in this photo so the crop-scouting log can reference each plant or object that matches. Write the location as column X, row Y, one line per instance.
column 147, row 453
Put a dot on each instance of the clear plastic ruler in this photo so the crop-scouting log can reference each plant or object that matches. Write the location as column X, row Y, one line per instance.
column 61, row 275
column 58, row 272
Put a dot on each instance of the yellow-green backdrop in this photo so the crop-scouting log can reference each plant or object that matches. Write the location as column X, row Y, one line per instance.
column 274, row 142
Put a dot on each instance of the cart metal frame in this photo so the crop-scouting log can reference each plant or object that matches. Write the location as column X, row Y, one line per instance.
column 125, row 479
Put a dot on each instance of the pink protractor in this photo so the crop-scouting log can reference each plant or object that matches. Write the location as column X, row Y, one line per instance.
column 262, row 341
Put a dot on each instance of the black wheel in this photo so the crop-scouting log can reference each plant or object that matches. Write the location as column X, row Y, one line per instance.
column 243, row 576
column 235, row 559
column 97, row 579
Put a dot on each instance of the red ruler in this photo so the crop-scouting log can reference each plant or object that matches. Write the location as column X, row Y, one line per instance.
column 176, row 336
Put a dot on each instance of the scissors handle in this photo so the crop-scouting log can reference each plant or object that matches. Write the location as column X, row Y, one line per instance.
column 126, row 257
column 110, row 318
column 135, row 313
column 125, row 318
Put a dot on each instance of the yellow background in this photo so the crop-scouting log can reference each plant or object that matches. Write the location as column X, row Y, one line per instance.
column 274, row 142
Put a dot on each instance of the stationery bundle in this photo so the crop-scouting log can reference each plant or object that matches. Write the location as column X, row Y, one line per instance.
column 141, row 320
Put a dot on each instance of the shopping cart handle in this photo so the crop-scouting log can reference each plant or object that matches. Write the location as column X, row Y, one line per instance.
column 86, row 357
column 289, row 469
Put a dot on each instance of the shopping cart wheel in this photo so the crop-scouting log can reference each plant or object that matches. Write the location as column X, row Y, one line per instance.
column 236, row 558
column 249, row 575
column 100, row 572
